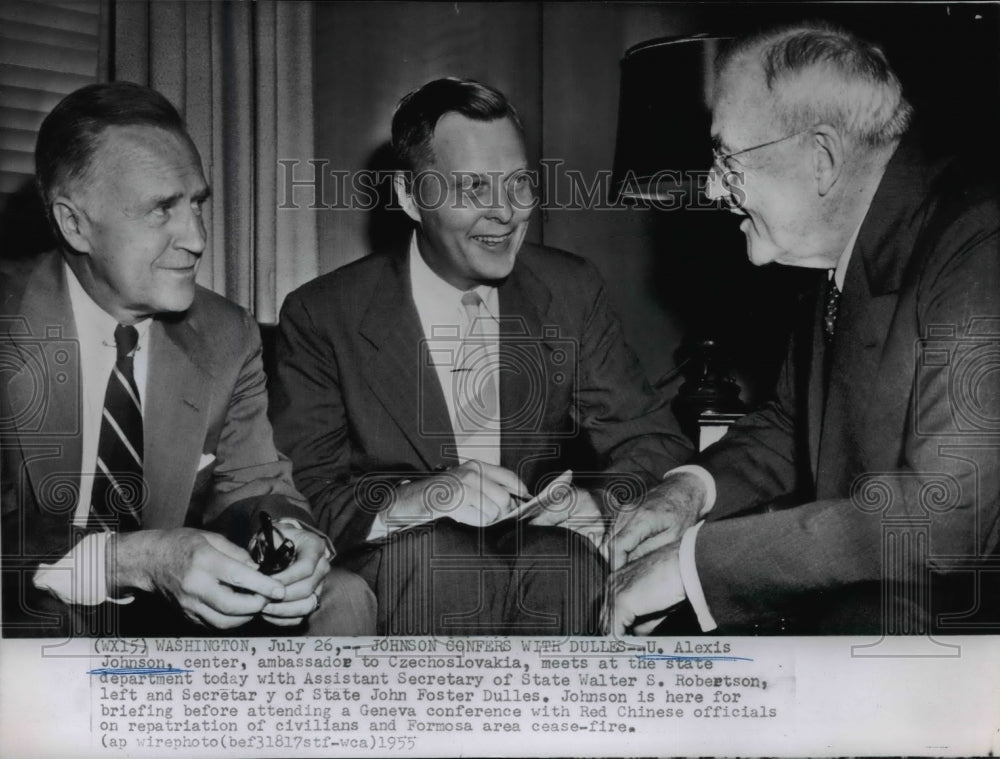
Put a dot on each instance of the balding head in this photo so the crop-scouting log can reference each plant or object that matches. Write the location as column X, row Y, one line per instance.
column 817, row 73
column 805, row 120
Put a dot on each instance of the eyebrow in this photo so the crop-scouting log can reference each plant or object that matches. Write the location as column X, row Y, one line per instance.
column 171, row 200
column 486, row 176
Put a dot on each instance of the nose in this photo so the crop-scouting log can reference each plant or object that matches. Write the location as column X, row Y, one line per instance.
column 190, row 235
column 716, row 188
column 501, row 209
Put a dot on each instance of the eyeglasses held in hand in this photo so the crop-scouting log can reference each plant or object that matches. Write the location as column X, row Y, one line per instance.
column 270, row 558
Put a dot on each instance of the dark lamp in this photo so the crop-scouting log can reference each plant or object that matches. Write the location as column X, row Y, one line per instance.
column 663, row 142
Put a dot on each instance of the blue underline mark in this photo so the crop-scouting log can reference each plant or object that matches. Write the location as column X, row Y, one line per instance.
column 675, row 657
column 138, row 671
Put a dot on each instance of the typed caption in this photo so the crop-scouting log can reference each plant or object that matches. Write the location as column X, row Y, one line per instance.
column 504, row 696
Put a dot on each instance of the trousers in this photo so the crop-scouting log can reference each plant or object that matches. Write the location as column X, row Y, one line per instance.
column 511, row 578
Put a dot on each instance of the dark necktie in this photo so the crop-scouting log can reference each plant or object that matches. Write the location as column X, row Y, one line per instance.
column 119, row 491
column 830, row 310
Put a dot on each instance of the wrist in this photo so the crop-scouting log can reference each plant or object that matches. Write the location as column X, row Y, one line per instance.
column 399, row 512
column 704, row 479
column 688, row 491
column 606, row 500
column 127, row 562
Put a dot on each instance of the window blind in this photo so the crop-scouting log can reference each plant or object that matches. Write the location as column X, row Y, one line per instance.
column 47, row 50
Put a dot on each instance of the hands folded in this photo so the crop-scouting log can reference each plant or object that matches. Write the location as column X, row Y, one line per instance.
column 215, row 582
column 642, row 547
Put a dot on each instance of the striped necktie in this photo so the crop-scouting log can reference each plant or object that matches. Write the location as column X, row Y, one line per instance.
column 119, row 490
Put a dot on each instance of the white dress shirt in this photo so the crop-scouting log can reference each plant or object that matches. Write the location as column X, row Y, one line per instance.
column 444, row 322
column 79, row 576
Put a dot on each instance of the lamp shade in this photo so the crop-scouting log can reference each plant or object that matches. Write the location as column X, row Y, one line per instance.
column 663, row 143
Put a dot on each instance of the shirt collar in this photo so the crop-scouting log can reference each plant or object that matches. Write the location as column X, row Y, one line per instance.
column 430, row 289
column 840, row 271
column 94, row 325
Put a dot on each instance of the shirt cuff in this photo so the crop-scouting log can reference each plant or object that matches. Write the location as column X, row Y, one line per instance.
column 379, row 528
column 706, row 479
column 80, row 577
column 328, row 550
column 691, row 581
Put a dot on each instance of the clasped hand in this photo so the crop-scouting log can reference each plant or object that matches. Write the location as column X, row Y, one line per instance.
column 660, row 519
column 214, row 582
column 642, row 548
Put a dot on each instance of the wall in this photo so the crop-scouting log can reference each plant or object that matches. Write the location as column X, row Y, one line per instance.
column 368, row 55
column 559, row 63
column 583, row 44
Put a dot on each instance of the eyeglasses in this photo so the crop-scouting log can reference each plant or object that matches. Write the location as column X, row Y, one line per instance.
column 271, row 558
column 722, row 173
column 719, row 158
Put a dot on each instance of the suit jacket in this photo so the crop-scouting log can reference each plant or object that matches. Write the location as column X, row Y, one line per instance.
column 357, row 405
column 205, row 394
column 899, row 457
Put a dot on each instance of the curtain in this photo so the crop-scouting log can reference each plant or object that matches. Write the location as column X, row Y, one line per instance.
column 241, row 75
column 46, row 51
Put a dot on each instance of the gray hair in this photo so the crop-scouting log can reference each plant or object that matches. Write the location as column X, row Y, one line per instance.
column 819, row 73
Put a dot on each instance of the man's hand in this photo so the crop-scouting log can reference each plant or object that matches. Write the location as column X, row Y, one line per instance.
column 302, row 578
column 667, row 511
column 473, row 493
column 574, row 509
column 214, row 582
column 642, row 589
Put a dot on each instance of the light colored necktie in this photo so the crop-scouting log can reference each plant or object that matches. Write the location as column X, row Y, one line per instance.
column 477, row 398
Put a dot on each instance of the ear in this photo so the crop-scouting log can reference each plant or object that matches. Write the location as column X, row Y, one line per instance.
column 72, row 223
column 404, row 195
column 828, row 157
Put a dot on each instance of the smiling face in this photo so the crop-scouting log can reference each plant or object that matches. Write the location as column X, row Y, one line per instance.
column 473, row 202
column 136, row 222
column 779, row 199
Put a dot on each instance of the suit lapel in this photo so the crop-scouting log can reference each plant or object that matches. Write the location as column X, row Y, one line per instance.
column 862, row 324
column 816, row 392
column 398, row 368
column 525, row 365
column 179, row 389
column 44, row 386
column 868, row 314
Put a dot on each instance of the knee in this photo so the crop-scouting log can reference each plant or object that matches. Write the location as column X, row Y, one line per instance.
column 348, row 587
column 347, row 606
column 555, row 541
column 544, row 545
column 451, row 538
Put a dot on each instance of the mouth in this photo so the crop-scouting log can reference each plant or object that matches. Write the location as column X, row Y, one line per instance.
column 492, row 241
column 180, row 270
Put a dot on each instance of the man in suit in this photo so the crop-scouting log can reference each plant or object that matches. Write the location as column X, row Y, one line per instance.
column 424, row 392
column 884, row 423
column 137, row 455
